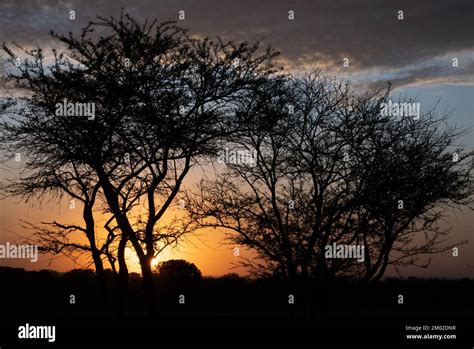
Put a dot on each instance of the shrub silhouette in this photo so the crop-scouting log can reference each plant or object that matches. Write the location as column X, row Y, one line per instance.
column 178, row 271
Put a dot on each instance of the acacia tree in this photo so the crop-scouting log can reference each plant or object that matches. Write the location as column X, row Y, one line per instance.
column 331, row 168
column 161, row 99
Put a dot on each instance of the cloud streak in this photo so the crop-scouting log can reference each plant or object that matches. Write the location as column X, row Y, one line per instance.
column 369, row 33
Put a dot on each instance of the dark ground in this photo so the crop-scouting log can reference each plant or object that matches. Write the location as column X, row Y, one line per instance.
column 232, row 310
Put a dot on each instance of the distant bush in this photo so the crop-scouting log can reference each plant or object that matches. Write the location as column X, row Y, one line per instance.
column 178, row 271
column 233, row 277
column 80, row 274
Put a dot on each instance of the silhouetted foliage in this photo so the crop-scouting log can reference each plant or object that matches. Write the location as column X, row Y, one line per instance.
column 162, row 99
column 331, row 168
column 178, row 271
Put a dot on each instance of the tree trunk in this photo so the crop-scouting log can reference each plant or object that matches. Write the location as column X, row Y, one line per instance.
column 148, row 286
column 100, row 273
column 96, row 255
column 128, row 232
column 122, row 277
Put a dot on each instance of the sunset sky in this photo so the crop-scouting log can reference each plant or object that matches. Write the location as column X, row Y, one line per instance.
column 415, row 54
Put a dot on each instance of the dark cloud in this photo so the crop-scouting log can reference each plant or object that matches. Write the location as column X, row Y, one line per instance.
column 322, row 34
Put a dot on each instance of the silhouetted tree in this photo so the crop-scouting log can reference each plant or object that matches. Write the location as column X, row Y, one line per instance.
column 161, row 100
column 330, row 167
column 178, row 271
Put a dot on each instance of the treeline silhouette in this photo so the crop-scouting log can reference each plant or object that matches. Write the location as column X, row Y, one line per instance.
column 235, row 297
